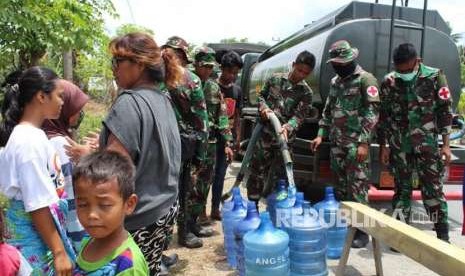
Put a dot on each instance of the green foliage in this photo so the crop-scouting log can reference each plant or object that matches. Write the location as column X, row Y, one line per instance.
column 131, row 28
column 91, row 122
column 31, row 28
column 93, row 69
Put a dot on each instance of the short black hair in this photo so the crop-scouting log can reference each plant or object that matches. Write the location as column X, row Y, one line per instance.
column 306, row 58
column 231, row 59
column 102, row 166
column 403, row 53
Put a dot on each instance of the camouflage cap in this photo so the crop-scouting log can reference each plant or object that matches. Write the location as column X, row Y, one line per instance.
column 341, row 52
column 205, row 56
column 177, row 42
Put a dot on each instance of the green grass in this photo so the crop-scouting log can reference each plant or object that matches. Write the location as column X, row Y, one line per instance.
column 91, row 122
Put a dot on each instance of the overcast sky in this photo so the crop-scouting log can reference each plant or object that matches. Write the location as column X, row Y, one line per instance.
column 200, row 21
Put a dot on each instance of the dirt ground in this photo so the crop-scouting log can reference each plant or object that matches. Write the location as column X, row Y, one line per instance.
column 209, row 259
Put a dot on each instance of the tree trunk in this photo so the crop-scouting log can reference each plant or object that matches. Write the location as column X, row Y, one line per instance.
column 68, row 65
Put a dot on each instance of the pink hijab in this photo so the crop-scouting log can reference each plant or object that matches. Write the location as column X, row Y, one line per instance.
column 73, row 101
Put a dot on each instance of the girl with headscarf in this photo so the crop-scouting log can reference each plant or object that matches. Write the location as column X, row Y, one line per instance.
column 74, row 100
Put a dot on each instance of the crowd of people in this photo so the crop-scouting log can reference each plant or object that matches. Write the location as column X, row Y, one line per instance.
column 108, row 205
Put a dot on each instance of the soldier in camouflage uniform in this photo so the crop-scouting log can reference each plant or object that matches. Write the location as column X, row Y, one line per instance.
column 204, row 63
column 348, row 120
column 290, row 98
column 415, row 108
column 191, row 113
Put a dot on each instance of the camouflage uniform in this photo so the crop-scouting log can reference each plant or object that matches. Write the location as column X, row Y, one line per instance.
column 349, row 117
column 191, row 113
column 291, row 104
column 218, row 129
column 412, row 116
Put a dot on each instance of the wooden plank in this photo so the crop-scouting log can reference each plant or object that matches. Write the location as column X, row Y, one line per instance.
column 439, row 256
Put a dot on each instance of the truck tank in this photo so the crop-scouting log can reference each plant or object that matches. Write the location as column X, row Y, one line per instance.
column 367, row 27
column 371, row 36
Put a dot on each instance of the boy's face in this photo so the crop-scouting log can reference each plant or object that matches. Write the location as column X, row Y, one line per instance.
column 229, row 74
column 101, row 208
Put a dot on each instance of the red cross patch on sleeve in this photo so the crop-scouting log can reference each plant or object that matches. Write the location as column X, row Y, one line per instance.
column 372, row 91
column 444, row 93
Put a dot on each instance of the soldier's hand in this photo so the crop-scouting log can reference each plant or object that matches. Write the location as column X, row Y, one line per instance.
column 384, row 155
column 284, row 132
column 362, row 152
column 264, row 113
column 315, row 143
column 229, row 154
column 446, row 155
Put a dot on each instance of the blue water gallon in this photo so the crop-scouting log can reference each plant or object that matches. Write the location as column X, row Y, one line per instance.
column 271, row 199
column 307, row 244
column 228, row 205
column 297, row 209
column 230, row 219
column 285, row 209
column 266, row 250
column 249, row 223
column 337, row 227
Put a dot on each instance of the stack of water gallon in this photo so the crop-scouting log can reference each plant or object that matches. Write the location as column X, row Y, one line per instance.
column 296, row 241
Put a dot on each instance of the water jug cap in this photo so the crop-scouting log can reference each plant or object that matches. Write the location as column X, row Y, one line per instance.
column 282, row 183
column 236, row 191
column 252, row 209
column 306, row 204
column 251, row 205
column 238, row 202
column 329, row 193
column 265, row 216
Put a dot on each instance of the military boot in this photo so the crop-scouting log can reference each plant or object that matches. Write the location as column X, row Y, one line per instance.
column 361, row 239
column 187, row 239
column 442, row 231
column 199, row 230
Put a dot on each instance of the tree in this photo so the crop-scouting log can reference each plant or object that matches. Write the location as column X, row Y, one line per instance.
column 31, row 28
column 131, row 28
column 456, row 37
